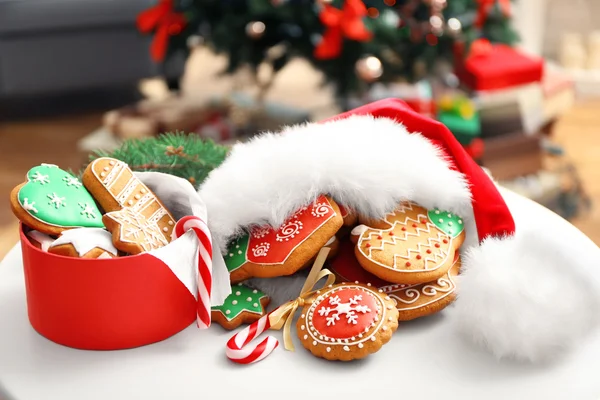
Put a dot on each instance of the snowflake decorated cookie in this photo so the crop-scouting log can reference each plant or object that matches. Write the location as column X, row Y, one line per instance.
column 243, row 306
column 412, row 301
column 267, row 252
column 347, row 321
column 410, row 245
column 52, row 200
column 116, row 188
column 133, row 232
column 84, row 243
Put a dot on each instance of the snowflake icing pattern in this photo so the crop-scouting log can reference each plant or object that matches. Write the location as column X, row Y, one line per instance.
column 349, row 309
column 56, row 201
column 40, row 178
column 72, row 181
column 87, row 210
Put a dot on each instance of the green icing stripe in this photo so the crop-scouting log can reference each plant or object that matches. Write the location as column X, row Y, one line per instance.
column 450, row 224
column 236, row 253
column 242, row 298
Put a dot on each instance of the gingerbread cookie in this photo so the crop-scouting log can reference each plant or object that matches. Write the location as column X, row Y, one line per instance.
column 84, row 243
column 347, row 322
column 267, row 252
column 52, row 200
column 132, row 232
column 243, row 306
column 412, row 301
column 115, row 187
column 40, row 240
column 411, row 245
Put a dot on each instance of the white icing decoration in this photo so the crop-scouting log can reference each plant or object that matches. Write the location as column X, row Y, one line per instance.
column 87, row 239
column 40, row 178
column 134, row 226
column 289, row 231
column 238, row 293
column 320, row 210
column 360, row 345
column 56, row 201
column 44, row 240
column 87, row 210
column 261, row 250
column 349, row 309
column 249, row 299
column 129, row 187
column 227, row 311
column 328, row 349
column 49, row 165
column 255, row 304
column 359, row 230
column 261, row 232
column 346, row 348
column 27, row 206
column 72, row 181
column 431, row 261
column 234, row 302
column 104, row 255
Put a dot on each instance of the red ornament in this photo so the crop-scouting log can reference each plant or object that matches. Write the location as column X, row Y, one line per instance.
column 485, row 6
column 165, row 22
column 346, row 22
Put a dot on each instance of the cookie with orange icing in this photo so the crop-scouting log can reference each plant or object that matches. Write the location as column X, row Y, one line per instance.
column 411, row 245
column 346, row 322
column 266, row 252
column 412, row 301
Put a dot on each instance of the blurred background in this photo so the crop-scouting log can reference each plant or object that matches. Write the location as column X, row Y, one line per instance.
column 517, row 82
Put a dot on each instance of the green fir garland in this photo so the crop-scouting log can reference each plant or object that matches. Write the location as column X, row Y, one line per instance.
column 184, row 155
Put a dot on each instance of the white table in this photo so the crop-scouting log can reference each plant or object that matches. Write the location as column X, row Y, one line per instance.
column 425, row 359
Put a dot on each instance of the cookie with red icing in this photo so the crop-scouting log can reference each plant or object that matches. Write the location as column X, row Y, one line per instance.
column 412, row 301
column 347, row 321
column 411, row 245
column 266, row 252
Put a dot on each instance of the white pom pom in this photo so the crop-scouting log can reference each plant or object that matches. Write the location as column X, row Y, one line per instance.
column 525, row 298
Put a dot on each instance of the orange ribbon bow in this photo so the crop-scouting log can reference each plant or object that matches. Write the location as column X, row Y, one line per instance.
column 346, row 22
column 165, row 22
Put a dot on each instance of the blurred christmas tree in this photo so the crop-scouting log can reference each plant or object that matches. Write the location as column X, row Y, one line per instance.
column 353, row 42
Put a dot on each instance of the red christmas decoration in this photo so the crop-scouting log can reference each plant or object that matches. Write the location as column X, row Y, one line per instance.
column 165, row 22
column 346, row 22
column 485, row 6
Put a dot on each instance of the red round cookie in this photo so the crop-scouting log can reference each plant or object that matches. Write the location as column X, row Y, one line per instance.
column 347, row 322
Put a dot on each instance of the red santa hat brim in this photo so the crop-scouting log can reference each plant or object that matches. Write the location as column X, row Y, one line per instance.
column 372, row 158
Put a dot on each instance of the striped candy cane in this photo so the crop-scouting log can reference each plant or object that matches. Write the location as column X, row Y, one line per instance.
column 185, row 224
column 237, row 349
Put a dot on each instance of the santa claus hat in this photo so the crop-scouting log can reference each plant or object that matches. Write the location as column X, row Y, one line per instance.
column 526, row 290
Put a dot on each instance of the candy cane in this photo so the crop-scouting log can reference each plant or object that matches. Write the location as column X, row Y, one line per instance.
column 185, row 224
column 237, row 350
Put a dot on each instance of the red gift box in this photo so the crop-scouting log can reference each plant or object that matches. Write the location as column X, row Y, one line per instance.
column 491, row 67
column 104, row 304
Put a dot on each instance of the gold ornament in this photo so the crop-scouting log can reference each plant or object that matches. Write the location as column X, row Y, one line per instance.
column 369, row 68
column 255, row 29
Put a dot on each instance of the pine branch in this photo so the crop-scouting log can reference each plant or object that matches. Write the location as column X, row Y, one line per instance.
column 184, row 155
